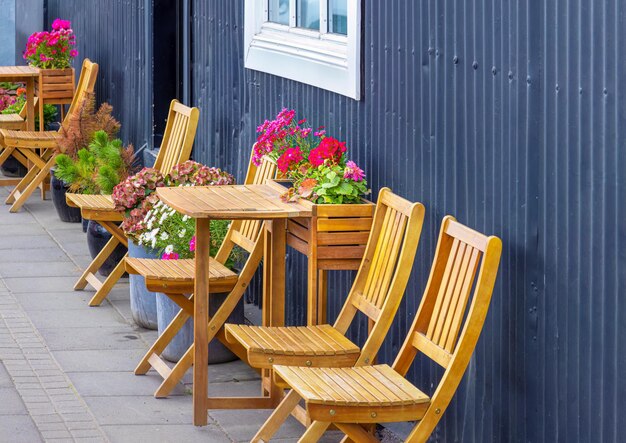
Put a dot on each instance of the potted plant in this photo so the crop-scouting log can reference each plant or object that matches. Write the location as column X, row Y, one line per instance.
column 137, row 199
column 317, row 170
column 96, row 170
column 53, row 52
column 77, row 133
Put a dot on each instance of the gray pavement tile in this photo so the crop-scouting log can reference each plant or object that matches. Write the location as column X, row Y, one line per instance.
column 52, row 301
column 163, row 433
column 97, row 338
column 5, row 378
column 30, row 269
column 91, row 384
column 17, row 218
column 27, row 242
column 40, row 284
column 76, row 247
column 50, row 435
column 85, row 317
column 99, row 361
column 11, row 403
column 18, row 429
column 122, row 306
column 141, row 410
column 9, row 230
column 39, row 255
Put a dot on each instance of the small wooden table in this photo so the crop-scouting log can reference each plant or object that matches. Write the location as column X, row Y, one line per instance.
column 245, row 202
column 26, row 74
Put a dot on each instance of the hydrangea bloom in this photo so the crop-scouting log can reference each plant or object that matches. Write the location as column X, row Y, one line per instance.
column 353, row 172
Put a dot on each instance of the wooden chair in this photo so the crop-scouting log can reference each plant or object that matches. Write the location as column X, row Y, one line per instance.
column 380, row 393
column 39, row 147
column 15, row 122
column 175, row 278
column 377, row 292
column 180, row 133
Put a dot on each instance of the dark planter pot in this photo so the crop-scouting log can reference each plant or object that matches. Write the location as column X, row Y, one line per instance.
column 58, row 190
column 97, row 238
column 85, row 224
column 218, row 353
column 143, row 305
column 12, row 168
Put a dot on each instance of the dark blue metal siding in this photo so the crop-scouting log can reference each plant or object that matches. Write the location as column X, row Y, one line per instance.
column 113, row 34
column 507, row 115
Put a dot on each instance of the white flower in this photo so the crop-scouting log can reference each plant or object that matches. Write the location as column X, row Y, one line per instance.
column 169, row 249
column 148, row 215
column 153, row 242
column 185, row 218
column 163, row 218
column 182, row 233
column 165, row 236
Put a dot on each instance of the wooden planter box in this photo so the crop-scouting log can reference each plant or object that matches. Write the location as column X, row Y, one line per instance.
column 55, row 86
column 334, row 238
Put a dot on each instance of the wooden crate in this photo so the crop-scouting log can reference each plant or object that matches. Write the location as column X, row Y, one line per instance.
column 334, row 238
column 55, row 86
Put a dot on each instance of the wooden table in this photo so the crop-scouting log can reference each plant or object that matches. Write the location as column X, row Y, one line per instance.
column 245, row 202
column 26, row 74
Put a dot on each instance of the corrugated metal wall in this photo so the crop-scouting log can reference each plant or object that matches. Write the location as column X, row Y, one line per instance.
column 114, row 34
column 510, row 116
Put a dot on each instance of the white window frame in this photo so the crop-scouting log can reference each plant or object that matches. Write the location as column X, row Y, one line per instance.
column 327, row 61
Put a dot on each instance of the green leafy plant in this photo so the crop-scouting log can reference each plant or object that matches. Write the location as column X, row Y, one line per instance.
column 98, row 168
column 49, row 111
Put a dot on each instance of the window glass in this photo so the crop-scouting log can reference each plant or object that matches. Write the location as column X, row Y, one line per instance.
column 309, row 14
column 279, row 11
column 338, row 16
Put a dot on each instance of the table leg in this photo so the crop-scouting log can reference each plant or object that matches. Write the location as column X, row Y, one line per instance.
column 274, row 273
column 200, row 325
column 30, row 104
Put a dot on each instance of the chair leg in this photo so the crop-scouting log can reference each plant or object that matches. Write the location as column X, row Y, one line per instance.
column 178, row 372
column 161, row 343
column 39, row 179
column 96, row 263
column 108, row 284
column 19, row 188
column 278, row 417
column 314, row 432
column 355, row 432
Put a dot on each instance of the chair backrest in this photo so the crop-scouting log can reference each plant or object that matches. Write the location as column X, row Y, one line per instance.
column 180, row 133
column 445, row 329
column 385, row 269
column 24, row 111
column 245, row 233
column 86, row 84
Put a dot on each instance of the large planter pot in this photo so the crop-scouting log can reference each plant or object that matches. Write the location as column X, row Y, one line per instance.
column 143, row 303
column 218, row 353
column 97, row 238
column 55, row 86
column 58, row 189
column 13, row 168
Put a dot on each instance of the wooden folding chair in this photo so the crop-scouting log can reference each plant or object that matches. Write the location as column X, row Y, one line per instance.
column 363, row 394
column 175, row 278
column 15, row 122
column 377, row 292
column 180, row 133
column 38, row 147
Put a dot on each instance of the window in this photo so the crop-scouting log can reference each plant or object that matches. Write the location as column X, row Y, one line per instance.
column 317, row 42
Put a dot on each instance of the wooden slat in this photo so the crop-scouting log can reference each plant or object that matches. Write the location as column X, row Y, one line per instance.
column 467, row 235
column 343, row 224
column 433, row 351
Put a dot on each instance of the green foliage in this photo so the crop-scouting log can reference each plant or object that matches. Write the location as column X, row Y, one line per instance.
column 331, row 187
column 97, row 168
column 49, row 111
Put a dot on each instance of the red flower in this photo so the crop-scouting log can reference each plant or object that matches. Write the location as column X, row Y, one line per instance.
column 329, row 149
column 290, row 157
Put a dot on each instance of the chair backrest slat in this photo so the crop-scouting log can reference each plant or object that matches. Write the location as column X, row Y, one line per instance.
column 385, row 269
column 86, row 85
column 180, row 132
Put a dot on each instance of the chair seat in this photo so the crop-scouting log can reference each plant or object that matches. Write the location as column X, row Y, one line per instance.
column 319, row 346
column 29, row 139
column 177, row 276
column 94, row 207
column 369, row 393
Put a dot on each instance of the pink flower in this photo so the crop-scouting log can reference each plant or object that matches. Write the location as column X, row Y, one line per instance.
column 353, row 172
column 170, row 256
column 73, row 53
column 192, row 244
column 61, row 24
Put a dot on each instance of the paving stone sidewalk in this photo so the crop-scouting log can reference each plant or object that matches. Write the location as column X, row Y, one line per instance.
column 66, row 370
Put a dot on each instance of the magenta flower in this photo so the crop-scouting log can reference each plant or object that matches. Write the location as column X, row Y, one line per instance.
column 73, row 53
column 170, row 256
column 61, row 24
column 192, row 244
column 353, row 172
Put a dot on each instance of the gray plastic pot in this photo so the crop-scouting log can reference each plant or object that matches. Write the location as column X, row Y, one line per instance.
column 142, row 302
